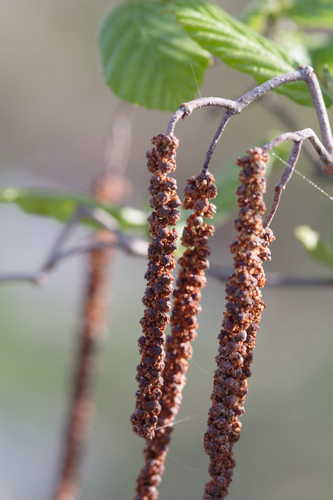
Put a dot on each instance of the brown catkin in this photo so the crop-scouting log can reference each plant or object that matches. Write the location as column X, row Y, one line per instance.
column 161, row 263
column 191, row 278
column 244, row 307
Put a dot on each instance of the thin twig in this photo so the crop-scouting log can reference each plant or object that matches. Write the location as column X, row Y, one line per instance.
column 304, row 73
column 65, row 232
column 271, row 104
column 219, row 131
column 136, row 247
column 275, row 280
column 286, row 176
column 302, row 135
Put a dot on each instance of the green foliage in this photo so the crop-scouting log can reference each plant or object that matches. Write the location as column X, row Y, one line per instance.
column 238, row 45
column 155, row 53
column 262, row 12
column 60, row 206
column 148, row 58
column 306, row 13
column 328, row 79
column 323, row 56
column 314, row 246
column 310, row 13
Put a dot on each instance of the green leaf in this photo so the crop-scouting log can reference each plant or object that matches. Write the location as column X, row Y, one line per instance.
column 314, row 246
column 60, row 206
column 148, row 58
column 238, row 45
column 261, row 12
column 311, row 13
column 323, row 56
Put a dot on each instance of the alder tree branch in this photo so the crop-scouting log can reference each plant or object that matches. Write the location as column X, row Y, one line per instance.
column 323, row 149
column 137, row 247
column 304, row 73
column 271, row 104
column 286, row 176
column 130, row 245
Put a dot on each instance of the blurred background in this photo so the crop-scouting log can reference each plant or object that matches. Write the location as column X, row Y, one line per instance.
column 55, row 119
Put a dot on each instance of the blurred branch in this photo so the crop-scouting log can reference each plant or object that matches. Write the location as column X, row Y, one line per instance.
column 137, row 247
column 275, row 279
column 109, row 186
column 132, row 246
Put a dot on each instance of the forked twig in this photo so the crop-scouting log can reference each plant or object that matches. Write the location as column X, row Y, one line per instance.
column 128, row 244
column 304, row 73
column 323, row 149
column 272, row 104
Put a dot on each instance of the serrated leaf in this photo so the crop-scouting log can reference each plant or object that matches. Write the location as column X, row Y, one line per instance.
column 238, row 45
column 148, row 58
column 314, row 246
column 60, row 206
column 311, row 13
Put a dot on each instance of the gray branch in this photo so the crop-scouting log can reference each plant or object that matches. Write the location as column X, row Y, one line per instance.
column 286, row 176
column 304, row 73
column 271, row 104
column 275, row 279
column 128, row 244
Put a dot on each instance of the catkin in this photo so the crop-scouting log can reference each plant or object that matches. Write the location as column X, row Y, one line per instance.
column 161, row 263
column 184, row 324
column 244, row 307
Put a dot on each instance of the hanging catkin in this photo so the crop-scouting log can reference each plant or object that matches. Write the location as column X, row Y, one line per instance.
column 244, row 307
column 165, row 203
column 187, row 295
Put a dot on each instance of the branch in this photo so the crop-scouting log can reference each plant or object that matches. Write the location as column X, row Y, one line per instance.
column 275, row 279
column 270, row 103
column 304, row 73
column 286, row 176
column 109, row 186
column 129, row 245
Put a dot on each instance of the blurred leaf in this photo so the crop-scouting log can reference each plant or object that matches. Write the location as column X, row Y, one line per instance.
column 293, row 42
column 311, row 13
column 238, row 45
column 60, row 206
column 148, row 58
column 323, row 56
column 259, row 12
column 314, row 246
column 328, row 79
